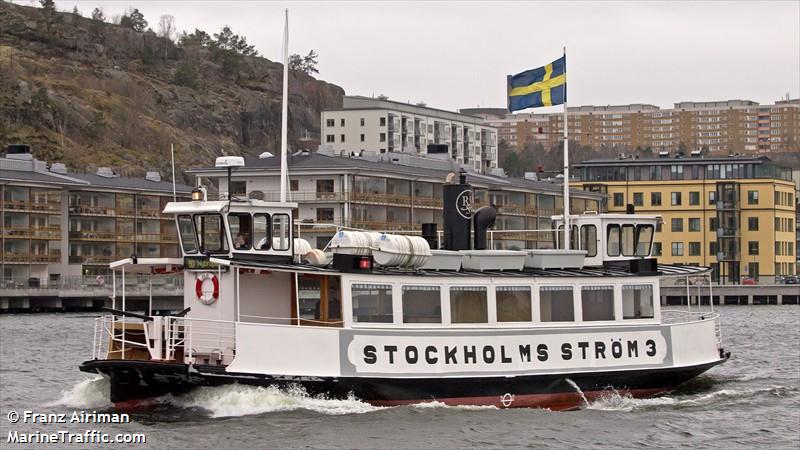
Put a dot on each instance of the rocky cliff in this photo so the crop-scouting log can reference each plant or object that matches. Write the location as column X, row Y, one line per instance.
column 92, row 94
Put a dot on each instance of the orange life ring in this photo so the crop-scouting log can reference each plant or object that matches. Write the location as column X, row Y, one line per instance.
column 206, row 298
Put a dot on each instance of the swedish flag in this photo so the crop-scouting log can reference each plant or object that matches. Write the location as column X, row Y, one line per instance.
column 543, row 86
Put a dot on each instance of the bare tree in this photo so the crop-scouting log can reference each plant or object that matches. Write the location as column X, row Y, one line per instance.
column 167, row 30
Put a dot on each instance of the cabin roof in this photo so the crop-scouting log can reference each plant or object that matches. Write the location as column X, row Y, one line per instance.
column 586, row 272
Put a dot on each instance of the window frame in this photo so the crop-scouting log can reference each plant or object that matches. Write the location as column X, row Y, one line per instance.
column 268, row 236
column 194, row 234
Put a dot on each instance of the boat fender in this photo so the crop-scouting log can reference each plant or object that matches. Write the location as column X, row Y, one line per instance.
column 206, row 298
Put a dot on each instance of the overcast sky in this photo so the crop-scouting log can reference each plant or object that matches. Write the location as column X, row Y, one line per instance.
column 457, row 54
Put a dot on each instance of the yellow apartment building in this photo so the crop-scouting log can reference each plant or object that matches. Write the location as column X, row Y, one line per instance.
column 734, row 214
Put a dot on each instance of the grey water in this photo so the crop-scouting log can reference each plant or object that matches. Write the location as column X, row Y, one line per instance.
column 752, row 400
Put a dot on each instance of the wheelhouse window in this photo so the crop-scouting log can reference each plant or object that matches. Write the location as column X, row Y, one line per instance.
column 188, row 238
column 211, row 233
column 281, row 228
column 597, row 302
column 555, row 304
column 468, row 304
column 261, row 232
column 644, row 239
column 241, row 230
column 422, row 304
column 372, row 303
column 637, row 301
column 613, row 240
column 589, row 239
column 513, row 303
column 628, row 239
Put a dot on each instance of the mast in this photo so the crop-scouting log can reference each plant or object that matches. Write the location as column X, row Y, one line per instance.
column 566, row 164
column 285, row 107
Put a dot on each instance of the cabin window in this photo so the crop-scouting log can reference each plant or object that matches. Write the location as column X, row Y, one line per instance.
column 241, row 230
column 372, row 303
column 422, row 304
column 589, row 240
column 261, row 231
column 573, row 237
column 597, row 302
column 556, row 304
column 613, row 240
column 188, row 238
column 637, row 301
column 628, row 240
column 281, row 228
column 211, row 232
column 513, row 303
column 468, row 304
column 644, row 239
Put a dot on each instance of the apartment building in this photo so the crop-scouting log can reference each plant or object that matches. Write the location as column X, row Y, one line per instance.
column 57, row 224
column 395, row 193
column 386, row 126
column 735, row 126
column 735, row 214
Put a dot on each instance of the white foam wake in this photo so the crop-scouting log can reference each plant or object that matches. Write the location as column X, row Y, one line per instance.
column 614, row 401
column 90, row 393
column 435, row 404
column 239, row 400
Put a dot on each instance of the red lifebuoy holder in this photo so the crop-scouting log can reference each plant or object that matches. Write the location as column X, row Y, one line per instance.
column 210, row 294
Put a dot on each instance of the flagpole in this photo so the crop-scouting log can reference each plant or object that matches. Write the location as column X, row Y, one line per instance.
column 285, row 108
column 566, row 165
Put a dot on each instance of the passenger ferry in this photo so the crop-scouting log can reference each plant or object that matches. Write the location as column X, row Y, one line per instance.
column 394, row 320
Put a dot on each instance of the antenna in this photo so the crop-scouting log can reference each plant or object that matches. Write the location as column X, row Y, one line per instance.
column 172, row 153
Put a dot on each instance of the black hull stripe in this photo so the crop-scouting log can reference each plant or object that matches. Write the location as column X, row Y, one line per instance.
column 136, row 380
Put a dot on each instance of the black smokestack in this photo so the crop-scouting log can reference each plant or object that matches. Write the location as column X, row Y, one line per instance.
column 484, row 219
column 429, row 234
column 457, row 214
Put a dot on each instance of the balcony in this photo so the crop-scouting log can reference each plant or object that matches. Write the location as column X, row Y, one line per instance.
column 382, row 226
column 428, row 202
column 93, row 259
column 13, row 205
column 32, row 258
column 93, row 210
column 380, row 198
column 100, row 235
column 32, row 232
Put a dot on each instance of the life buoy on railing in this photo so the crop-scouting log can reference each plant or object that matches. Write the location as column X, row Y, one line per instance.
column 206, row 296
column 100, row 279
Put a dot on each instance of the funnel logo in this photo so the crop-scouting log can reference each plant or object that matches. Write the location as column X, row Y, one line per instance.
column 464, row 204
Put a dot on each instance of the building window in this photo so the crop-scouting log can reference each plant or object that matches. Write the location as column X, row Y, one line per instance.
column 325, row 215
column 677, row 249
column 330, row 122
column 294, row 185
column 362, row 137
column 330, row 138
column 383, row 121
column 712, row 224
column 342, row 122
column 752, row 197
column 676, row 198
column 468, row 304
column 694, row 224
column 513, row 303
column 712, row 198
column 556, row 304
column 656, row 248
column 655, row 198
column 677, row 225
column 324, row 185
column 372, row 303
column 695, row 249
column 619, row 199
column 362, row 121
column 752, row 269
column 752, row 224
column 752, row 247
column 712, row 248
column 342, row 137
column 637, row 301
column 597, row 302
column 383, row 137
column 421, row 304
column 638, row 199
column 694, row 198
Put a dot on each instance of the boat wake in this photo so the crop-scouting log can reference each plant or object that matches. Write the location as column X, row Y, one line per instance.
column 91, row 393
column 615, row 401
column 239, row 400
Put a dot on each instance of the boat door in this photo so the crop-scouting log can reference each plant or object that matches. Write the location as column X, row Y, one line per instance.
column 319, row 300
